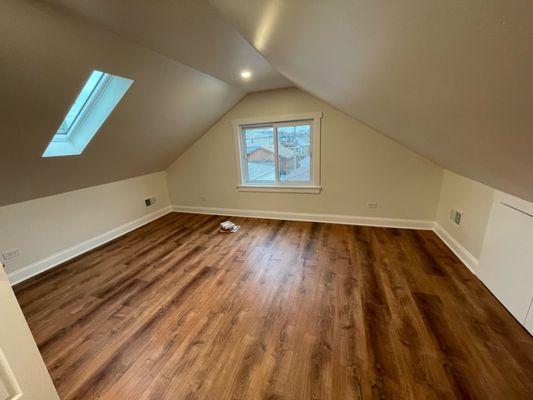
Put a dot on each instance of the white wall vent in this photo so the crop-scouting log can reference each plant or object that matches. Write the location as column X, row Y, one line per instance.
column 456, row 217
column 150, row 201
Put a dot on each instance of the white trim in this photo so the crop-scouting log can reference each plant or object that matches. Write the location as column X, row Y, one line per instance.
column 8, row 379
column 457, row 248
column 35, row 268
column 328, row 218
column 277, row 118
column 279, row 189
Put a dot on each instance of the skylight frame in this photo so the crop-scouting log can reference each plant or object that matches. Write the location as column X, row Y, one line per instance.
column 100, row 83
column 103, row 99
column 85, row 110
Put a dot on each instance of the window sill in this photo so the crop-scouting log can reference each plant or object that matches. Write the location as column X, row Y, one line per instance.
column 279, row 189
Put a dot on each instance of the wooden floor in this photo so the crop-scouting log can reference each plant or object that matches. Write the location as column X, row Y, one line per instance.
column 278, row 310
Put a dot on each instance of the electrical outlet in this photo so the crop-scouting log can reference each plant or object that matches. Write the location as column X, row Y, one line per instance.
column 8, row 255
column 203, row 197
column 372, row 204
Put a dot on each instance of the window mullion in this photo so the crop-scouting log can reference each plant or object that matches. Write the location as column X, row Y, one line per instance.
column 276, row 158
column 242, row 156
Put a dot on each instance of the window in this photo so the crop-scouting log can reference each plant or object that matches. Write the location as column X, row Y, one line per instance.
column 96, row 100
column 279, row 153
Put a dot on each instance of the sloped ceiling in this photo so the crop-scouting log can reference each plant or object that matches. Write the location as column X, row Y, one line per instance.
column 188, row 31
column 47, row 54
column 452, row 80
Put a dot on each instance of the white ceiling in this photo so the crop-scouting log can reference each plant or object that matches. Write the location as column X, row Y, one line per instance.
column 452, row 80
column 187, row 31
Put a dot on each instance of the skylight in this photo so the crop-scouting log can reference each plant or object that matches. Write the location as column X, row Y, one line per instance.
column 96, row 100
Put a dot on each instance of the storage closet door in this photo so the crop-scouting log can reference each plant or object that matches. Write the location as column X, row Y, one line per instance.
column 506, row 264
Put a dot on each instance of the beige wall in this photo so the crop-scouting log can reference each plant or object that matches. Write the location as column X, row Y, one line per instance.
column 45, row 226
column 474, row 200
column 359, row 165
column 20, row 350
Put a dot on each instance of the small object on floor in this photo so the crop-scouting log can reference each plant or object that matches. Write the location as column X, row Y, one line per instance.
column 228, row 226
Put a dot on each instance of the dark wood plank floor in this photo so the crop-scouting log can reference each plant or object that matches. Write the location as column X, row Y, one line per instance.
column 279, row 310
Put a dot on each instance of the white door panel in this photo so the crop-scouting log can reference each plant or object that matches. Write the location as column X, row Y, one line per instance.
column 506, row 264
column 529, row 318
column 23, row 374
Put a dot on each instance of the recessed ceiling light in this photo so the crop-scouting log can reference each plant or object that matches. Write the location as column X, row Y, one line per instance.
column 246, row 74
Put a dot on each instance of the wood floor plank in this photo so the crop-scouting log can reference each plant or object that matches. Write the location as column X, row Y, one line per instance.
column 278, row 310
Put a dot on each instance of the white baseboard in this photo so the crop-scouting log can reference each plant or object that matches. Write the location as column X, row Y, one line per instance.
column 49, row 262
column 35, row 268
column 330, row 218
column 460, row 251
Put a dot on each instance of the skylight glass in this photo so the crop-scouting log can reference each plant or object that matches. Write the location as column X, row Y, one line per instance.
column 95, row 102
column 80, row 102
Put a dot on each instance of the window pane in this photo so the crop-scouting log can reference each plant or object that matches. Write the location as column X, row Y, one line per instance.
column 294, row 153
column 259, row 146
column 80, row 102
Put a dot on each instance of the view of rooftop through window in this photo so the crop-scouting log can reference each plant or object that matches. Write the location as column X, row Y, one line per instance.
column 293, row 149
column 259, row 144
column 294, row 153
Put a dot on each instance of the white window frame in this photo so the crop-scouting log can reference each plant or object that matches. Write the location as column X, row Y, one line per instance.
column 312, row 186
